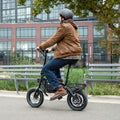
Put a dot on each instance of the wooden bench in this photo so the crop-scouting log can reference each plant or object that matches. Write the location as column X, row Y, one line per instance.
column 102, row 70
column 21, row 74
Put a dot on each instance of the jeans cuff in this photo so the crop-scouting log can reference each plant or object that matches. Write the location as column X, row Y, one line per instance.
column 59, row 86
column 59, row 78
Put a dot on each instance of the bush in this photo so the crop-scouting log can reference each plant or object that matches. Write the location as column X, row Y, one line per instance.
column 17, row 59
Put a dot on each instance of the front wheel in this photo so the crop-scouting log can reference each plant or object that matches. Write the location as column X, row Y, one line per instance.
column 34, row 98
column 77, row 102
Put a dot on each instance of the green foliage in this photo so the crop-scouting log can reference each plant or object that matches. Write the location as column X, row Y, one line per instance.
column 21, row 2
column 7, row 85
column 105, row 89
column 17, row 59
column 111, row 46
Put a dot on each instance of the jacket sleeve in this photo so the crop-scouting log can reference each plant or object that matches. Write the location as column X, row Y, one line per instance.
column 59, row 35
column 53, row 48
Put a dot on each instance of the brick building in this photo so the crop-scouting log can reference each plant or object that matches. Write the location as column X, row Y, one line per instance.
column 20, row 32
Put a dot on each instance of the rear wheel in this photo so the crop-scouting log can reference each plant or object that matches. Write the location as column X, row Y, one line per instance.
column 78, row 102
column 35, row 98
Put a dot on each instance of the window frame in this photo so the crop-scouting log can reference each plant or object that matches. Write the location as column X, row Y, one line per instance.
column 26, row 33
column 84, row 31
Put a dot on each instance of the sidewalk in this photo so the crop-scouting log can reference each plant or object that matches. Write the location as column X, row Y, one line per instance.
column 91, row 98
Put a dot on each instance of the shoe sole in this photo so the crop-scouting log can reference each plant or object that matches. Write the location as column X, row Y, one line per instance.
column 59, row 97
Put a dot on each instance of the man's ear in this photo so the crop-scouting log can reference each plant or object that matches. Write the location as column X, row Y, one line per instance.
column 63, row 19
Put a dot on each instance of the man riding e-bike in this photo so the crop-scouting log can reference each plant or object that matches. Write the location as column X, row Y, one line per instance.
column 67, row 50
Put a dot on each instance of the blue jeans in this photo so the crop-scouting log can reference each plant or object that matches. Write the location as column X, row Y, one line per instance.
column 52, row 70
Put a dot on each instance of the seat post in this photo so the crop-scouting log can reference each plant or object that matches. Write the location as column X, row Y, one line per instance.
column 69, row 65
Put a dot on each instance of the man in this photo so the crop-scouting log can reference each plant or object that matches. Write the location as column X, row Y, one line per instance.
column 67, row 51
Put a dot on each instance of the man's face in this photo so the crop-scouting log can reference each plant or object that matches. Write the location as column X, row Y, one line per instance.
column 60, row 18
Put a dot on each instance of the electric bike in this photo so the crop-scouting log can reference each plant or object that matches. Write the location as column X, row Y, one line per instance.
column 76, row 98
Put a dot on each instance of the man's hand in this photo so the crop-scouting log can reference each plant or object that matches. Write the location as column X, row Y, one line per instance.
column 37, row 48
column 49, row 49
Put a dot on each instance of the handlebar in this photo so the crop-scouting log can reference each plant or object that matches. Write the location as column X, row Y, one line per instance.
column 45, row 50
column 44, row 53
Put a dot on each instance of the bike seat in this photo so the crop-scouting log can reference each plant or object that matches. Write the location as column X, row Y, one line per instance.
column 73, row 63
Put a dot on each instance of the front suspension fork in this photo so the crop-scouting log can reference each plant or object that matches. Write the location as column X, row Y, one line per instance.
column 39, row 87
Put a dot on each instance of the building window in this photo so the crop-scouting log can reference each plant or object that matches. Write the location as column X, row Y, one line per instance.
column 98, row 53
column 5, row 46
column 8, row 13
column 8, row 16
column 25, row 45
column 41, row 17
column 7, row 4
column 28, row 2
column 5, row 33
column 26, row 33
column 26, row 48
column 84, row 45
column 47, row 32
column 83, row 32
column 5, row 50
column 98, row 33
column 23, row 15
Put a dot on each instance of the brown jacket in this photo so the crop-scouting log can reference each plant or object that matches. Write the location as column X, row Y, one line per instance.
column 67, row 40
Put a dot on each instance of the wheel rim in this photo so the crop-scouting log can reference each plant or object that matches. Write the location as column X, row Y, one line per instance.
column 35, row 99
column 77, row 101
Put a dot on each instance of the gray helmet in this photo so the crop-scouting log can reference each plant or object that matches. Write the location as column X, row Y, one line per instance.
column 66, row 14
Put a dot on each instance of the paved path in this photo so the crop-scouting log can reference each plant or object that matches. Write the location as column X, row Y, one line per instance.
column 15, row 107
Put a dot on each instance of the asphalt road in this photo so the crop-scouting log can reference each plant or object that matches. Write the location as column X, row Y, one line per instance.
column 16, row 108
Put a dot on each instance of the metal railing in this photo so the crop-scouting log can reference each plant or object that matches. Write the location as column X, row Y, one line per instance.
column 7, row 58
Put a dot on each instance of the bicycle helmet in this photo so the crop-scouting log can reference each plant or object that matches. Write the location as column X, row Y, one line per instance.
column 66, row 14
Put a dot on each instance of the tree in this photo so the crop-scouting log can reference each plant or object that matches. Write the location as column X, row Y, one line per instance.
column 103, row 10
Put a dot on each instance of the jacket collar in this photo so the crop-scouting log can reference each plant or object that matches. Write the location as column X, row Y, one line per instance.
column 71, row 22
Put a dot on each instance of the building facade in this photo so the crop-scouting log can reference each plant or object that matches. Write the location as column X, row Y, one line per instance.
column 21, row 32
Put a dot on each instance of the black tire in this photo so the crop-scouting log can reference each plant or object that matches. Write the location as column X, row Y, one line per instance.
column 77, row 103
column 35, row 100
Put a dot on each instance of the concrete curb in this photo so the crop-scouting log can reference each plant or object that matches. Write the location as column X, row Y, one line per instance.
column 91, row 99
column 104, row 99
